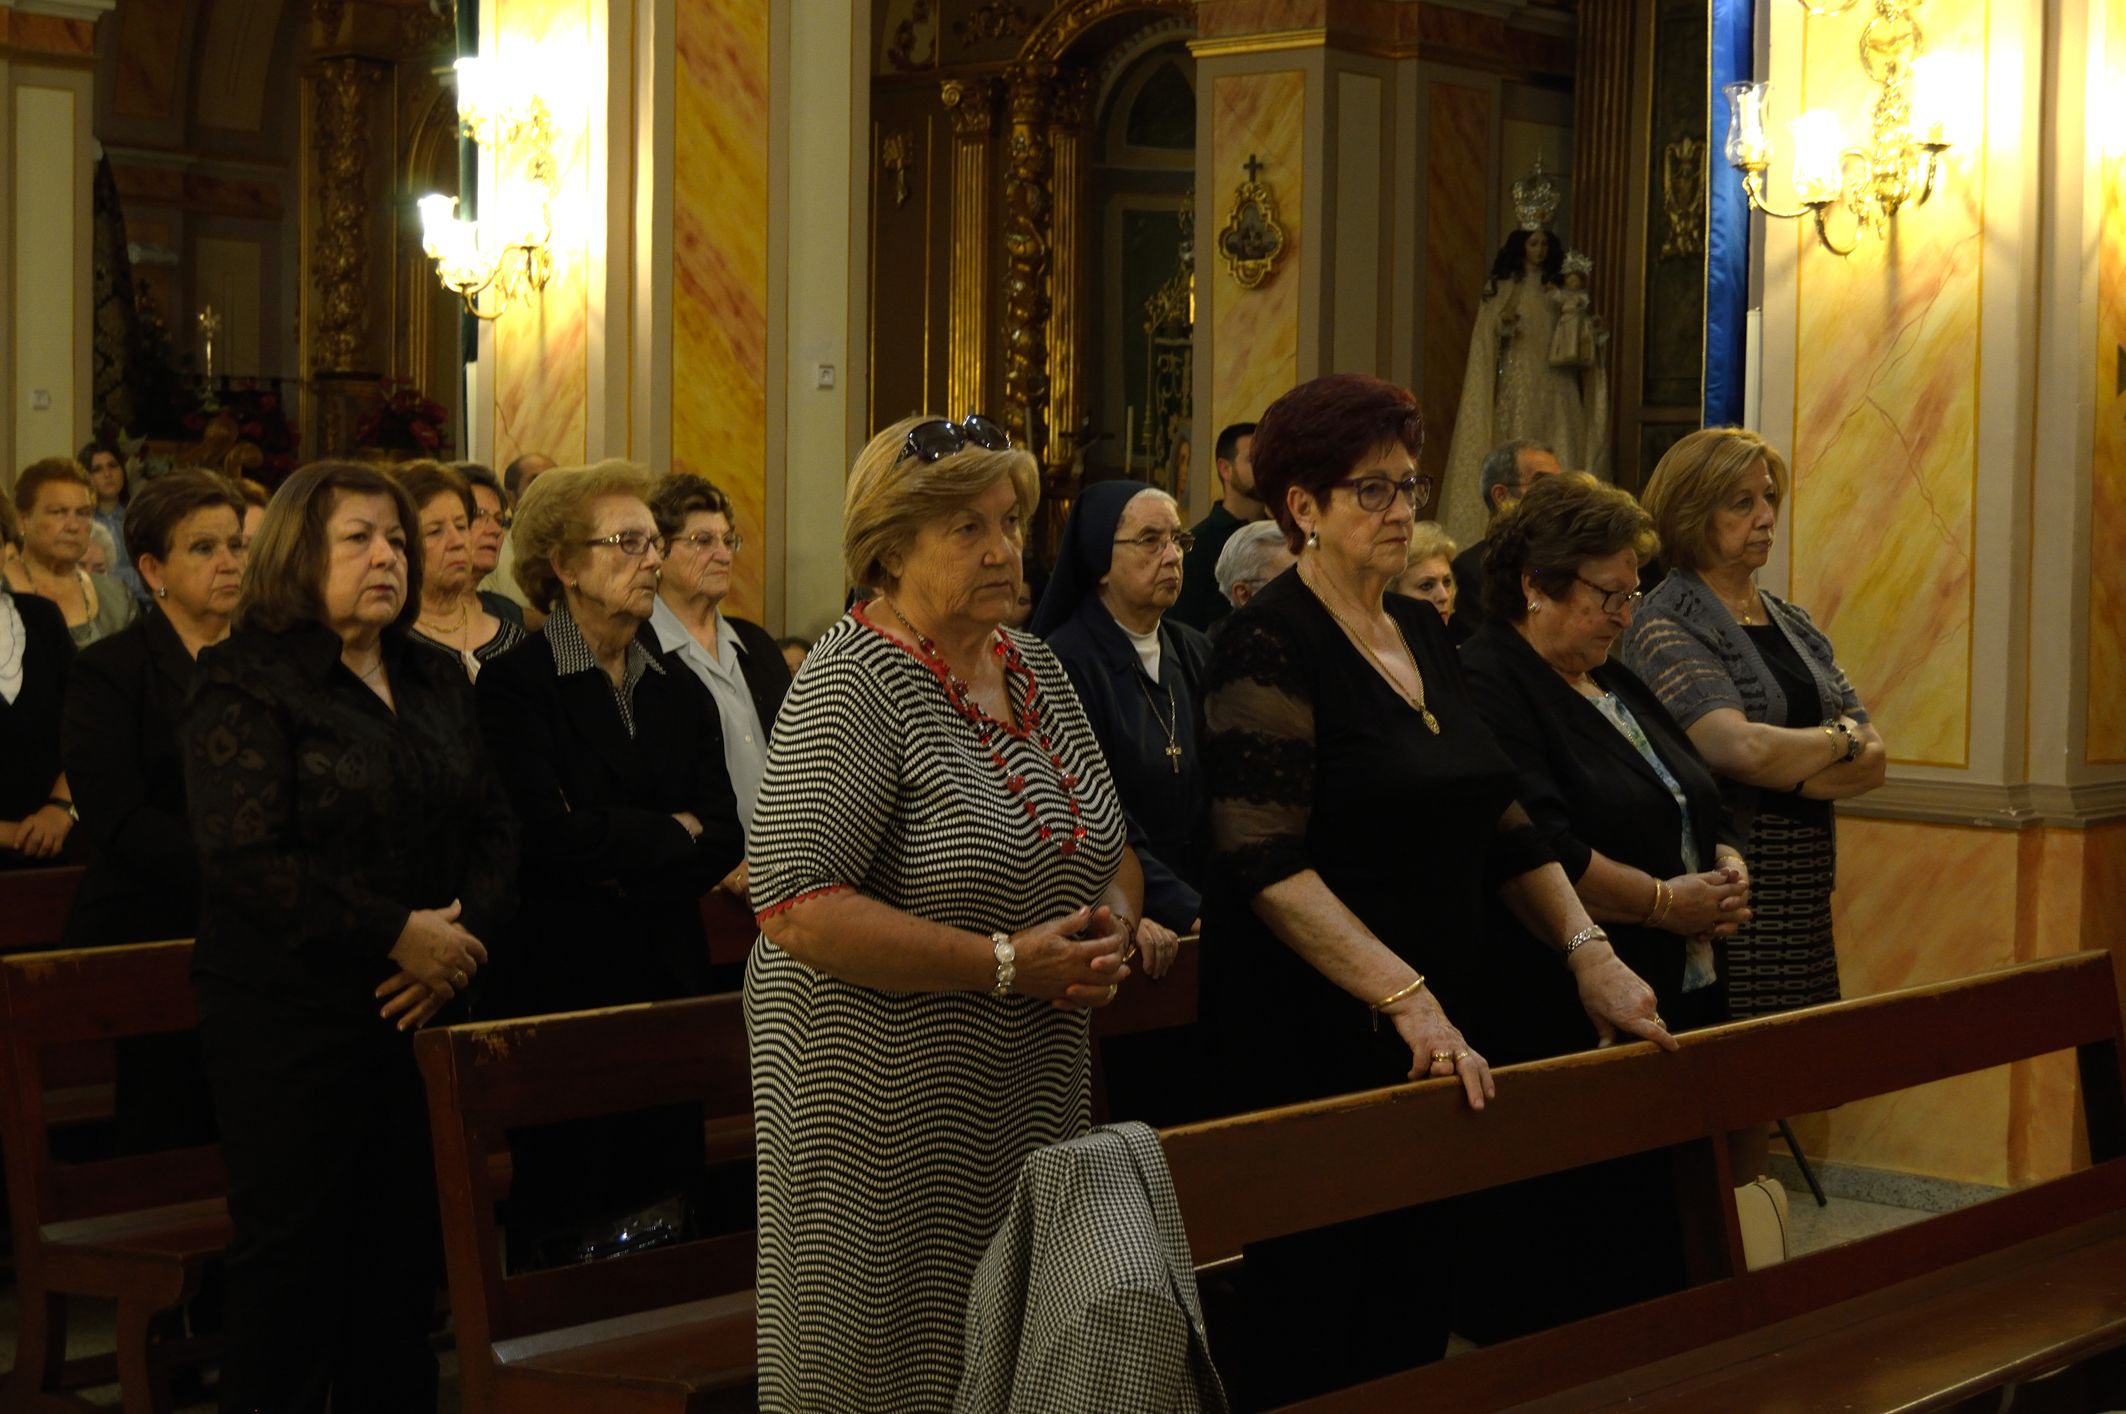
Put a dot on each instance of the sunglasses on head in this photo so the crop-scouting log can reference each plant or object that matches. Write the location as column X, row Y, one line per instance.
column 941, row 437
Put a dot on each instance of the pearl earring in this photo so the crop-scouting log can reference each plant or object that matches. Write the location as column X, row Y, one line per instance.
column 1313, row 540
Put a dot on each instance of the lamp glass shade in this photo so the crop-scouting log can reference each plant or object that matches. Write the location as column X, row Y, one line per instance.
column 1818, row 170
column 438, row 215
column 1747, row 106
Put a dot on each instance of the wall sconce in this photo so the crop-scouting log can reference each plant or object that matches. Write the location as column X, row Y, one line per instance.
column 1908, row 132
column 506, row 254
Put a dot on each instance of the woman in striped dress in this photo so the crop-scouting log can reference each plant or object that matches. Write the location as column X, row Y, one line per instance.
column 939, row 863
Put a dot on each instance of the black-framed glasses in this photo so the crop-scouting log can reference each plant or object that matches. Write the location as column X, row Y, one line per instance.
column 1155, row 541
column 931, row 441
column 1376, row 493
column 1613, row 600
column 702, row 540
column 631, row 542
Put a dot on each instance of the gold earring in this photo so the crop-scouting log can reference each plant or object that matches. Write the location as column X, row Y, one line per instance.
column 1531, row 606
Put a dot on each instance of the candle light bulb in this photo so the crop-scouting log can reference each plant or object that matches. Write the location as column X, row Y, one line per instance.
column 1818, row 162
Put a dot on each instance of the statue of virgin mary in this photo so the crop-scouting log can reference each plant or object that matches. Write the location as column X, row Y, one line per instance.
column 1513, row 386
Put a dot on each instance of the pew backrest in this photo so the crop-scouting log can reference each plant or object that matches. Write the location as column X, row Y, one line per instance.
column 1254, row 1177
column 486, row 1078
column 58, row 1002
column 34, row 904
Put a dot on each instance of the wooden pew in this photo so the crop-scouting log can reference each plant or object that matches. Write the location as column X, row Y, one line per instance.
column 34, row 904
column 139, row 1230
column 1919, row 1317
column 670, row 1329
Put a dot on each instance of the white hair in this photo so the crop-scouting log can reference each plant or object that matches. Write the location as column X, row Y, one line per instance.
column 1249, row 554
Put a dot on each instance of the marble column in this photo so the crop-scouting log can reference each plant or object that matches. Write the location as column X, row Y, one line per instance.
column 47, row 59
column 1070, row 272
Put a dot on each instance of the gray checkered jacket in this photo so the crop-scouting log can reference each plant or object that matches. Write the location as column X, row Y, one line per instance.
column 1085, row 1302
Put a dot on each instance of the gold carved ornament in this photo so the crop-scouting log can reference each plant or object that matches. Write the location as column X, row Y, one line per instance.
column 1683, row 198
column 1253, row 241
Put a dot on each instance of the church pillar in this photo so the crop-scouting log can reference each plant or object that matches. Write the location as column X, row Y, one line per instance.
column 1028, row 229
column 47, row 164
column 1070, row 276
column 973, row 106
column 1949, row 400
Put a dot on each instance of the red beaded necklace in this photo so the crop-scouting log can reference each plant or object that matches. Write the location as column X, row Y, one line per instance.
column 986, row 727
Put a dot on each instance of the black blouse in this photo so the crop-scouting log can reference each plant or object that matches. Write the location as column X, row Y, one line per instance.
column 29, row 726
column 1589, row 790
column 324, row 817
column 1803, row 710
column 1315, row 762
column 127, row 774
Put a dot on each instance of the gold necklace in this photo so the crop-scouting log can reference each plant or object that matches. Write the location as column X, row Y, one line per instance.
column 1742, row 616
column 464, row 618
column 1417, row 702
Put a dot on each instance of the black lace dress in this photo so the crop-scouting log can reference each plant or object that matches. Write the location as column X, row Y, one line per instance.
column 1315, row 762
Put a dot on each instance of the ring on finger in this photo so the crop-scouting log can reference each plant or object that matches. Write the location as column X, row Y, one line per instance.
column 458, row 978
column 1112, row 988
column 1460, row 1056
column 1440, row 1056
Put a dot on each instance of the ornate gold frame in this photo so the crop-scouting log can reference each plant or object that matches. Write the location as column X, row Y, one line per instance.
column 1251, row 250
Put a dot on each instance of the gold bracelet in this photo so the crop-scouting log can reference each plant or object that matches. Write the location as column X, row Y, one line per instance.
column 1667, row 901
column 1653, row 912
column 1395, row 996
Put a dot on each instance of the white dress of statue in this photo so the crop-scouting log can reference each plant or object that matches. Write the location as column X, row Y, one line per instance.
column 1534, row 369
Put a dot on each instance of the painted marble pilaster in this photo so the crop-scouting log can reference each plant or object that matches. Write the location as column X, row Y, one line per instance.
column 1884, row 442
column 1458, row 195
column 541, row 347
column 1255, row 333
column 2107, row 492
column 720, row 267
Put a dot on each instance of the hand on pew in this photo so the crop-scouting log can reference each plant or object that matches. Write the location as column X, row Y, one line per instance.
column 1615, row 998
column 42, row 833
column 1068, row 971
column 1437, row 1049
column 1159, row 944
column 436, row 958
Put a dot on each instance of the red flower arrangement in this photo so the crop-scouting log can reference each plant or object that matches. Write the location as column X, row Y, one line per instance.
column 401, row 418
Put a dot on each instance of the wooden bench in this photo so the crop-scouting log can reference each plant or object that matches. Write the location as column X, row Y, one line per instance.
column 34, row 904
column 669, row 1329
column 1917, row 1318
column 138, row 1231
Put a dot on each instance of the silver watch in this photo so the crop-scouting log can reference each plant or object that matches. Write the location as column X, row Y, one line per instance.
column 1007, row 963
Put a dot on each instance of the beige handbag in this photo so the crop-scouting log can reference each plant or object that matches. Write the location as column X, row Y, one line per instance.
column 1760, row 1205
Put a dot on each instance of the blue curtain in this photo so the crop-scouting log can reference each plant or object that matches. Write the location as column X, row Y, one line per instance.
column 1727, row 219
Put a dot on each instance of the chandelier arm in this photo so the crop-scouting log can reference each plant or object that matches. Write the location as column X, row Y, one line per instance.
column 1926, row 188
column 1823, row 232
column 1752, row 188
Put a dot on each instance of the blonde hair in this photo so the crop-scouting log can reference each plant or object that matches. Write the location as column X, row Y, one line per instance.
column 553, row 520
column 1694, row 479
column 1429, row 540
column 890, row 498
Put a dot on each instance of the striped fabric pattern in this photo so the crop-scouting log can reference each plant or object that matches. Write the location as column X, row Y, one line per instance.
column 890, row 1127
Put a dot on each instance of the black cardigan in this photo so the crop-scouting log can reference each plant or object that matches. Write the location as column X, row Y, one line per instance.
column 29, row 726
column 610, row 886
column 766, row 671
column 1588, row 790
column 1165, row 809
column 123, row 764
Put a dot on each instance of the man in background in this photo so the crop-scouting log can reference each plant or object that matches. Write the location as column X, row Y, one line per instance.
column 1201, row 604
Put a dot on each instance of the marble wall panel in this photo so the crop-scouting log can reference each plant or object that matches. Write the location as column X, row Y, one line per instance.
column 541, row 348
column 720, row 268
column 1884, row 439
column 148, row 51
column 2107, row 500
column 29, row 36
column 1255, row 333
column 1458, row 253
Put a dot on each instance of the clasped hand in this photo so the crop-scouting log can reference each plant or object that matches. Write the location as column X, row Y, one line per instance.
column 1075, row 961
column 436, row 958
column 1712, row 904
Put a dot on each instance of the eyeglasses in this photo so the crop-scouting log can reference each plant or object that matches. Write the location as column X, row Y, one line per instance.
column 1376, row 493
column 501, row 518
column 1613, row 600
column 632, row 542
column 702, row 540
column 934, row 440
column 1154, row 542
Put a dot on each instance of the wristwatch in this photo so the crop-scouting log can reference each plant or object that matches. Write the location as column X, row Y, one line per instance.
column 1007, row 963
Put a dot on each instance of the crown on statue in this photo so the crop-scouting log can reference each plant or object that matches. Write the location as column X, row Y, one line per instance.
column 1577, row 262
column 1535, row 198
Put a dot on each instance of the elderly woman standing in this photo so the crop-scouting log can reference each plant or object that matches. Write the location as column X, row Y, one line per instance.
column 614, row 759
column 105, row 465
column 1255, row 555
column 937, row 910
column 454, row 615
column 1614, row 785
column 355, row 850
column 1334, row 706
column 735, row 658
column 1759, row 689
column 1139, row 677
column 1429, row 575
column 490, row 529
column 57, row 504
column 36, row 654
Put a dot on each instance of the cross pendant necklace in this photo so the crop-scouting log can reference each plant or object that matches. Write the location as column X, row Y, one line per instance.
column 1171, row 725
